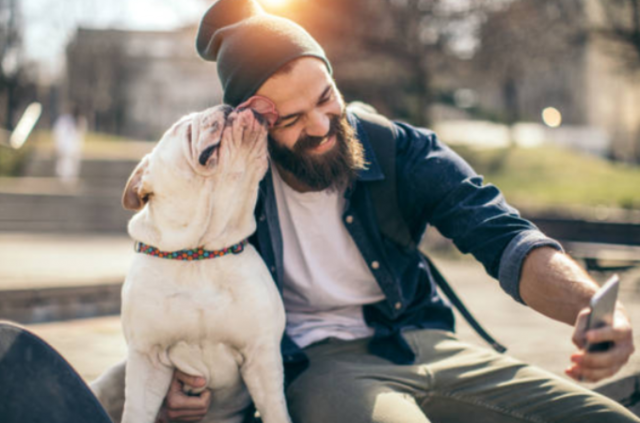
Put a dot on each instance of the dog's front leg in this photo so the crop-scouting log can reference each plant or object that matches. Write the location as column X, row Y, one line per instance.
column 263, row 375
column 146, row 385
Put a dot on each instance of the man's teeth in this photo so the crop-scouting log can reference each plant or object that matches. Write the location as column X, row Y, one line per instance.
column 325, row 141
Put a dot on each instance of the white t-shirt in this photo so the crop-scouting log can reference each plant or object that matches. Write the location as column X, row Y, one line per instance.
column 326, row 279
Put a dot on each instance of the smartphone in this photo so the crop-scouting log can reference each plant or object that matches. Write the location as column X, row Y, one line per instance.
column 602, row 305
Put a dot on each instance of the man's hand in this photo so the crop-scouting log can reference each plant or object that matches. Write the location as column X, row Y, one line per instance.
column 595, row 366
column 181, row 407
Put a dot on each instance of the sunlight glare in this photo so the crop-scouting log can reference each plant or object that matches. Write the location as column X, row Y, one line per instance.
column 551, row 117
column 274, row 3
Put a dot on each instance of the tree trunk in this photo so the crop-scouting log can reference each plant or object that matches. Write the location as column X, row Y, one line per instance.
column 423, row 95
column 510, row 97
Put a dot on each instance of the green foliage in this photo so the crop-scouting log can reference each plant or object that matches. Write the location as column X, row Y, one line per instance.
column 552, row 176
column 13, row 161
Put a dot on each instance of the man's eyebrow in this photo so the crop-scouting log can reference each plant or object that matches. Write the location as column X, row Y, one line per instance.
column 292, row 115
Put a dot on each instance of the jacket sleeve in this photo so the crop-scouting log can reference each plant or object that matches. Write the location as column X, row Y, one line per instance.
column 437, row 187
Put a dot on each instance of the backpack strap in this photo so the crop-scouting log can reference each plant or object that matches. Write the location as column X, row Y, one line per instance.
column 392, row 226
column 382, row 136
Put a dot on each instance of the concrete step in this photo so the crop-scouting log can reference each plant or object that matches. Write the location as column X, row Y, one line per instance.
column 60, row 212
column 29, row 306
column 90, row 168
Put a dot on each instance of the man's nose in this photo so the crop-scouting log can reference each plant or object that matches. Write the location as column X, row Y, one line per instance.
column 318, row 125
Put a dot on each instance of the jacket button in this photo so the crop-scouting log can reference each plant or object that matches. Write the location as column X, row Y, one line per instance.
column 375, row 265
column 273, row 269
column 349, row 219
column 262, row 218
column 398, row 305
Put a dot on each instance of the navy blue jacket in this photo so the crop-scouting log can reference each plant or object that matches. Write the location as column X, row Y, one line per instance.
column 434, row 187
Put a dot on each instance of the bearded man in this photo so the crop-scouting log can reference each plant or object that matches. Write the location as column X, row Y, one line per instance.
column 368, row 337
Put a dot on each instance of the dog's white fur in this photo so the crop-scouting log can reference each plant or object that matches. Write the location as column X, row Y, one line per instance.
column 220, row 318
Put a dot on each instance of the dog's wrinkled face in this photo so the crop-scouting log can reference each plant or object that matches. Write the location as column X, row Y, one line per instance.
column 205, row 169
column 203, row 134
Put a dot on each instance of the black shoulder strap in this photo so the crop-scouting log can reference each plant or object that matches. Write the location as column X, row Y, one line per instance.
column 382, row 135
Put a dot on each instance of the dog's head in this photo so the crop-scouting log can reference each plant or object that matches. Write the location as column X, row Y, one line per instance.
column 199, row 184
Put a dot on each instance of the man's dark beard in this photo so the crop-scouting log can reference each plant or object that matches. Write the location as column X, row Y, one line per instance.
column 335, row 169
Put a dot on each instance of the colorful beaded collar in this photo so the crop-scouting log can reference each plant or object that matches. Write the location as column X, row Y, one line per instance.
column 190, row 255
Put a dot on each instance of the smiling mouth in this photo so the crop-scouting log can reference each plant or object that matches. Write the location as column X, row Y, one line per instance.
column 323, row 146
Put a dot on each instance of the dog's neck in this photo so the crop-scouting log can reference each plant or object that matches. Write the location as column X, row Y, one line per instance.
column 217, row 219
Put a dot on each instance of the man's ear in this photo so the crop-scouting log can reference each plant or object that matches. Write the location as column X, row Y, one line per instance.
column 135, row 195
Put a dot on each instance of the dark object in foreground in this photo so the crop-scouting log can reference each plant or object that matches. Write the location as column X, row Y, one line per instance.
column 38, row 385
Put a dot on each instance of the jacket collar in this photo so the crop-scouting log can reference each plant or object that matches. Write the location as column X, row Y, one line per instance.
column 372, row 172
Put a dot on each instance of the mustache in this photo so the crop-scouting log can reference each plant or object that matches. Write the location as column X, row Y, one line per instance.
column 309, row 142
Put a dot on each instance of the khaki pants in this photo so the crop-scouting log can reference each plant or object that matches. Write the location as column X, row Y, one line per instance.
column 450, row 382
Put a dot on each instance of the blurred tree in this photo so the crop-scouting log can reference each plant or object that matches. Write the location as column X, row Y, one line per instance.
column 97, row 73
column 11, row 62
column 386, row 51
column 526, row 38
column 622, row 26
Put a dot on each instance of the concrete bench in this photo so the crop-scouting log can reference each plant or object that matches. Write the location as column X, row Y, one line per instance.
column 604, row 257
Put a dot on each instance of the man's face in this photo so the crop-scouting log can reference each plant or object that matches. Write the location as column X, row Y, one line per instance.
column 312, row 139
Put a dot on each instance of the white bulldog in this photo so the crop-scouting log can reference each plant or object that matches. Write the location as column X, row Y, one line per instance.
column 220, row 318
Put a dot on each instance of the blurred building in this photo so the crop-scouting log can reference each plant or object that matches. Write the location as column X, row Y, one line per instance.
column 537, row 55
column 137, row 83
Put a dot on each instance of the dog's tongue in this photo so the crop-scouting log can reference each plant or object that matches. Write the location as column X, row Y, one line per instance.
column 263, row 106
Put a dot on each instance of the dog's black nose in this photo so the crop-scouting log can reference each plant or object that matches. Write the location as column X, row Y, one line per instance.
column 226, row 109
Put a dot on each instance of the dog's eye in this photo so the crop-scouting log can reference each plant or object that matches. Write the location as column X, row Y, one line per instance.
column 207, row 153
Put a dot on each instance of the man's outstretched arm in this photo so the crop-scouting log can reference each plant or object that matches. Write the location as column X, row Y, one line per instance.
column 554, row 285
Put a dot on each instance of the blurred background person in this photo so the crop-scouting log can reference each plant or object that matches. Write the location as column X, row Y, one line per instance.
column 68, row 135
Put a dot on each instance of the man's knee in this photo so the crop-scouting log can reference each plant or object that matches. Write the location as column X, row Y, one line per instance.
column 340, row 397
column 109, row 389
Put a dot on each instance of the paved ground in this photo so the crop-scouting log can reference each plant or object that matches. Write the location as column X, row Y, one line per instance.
column 29, row 261
column 92, row 345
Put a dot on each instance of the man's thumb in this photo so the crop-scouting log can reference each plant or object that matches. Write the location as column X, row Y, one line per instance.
column 195, row 381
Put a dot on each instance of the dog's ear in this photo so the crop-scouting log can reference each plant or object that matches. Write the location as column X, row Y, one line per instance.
column 135, row 195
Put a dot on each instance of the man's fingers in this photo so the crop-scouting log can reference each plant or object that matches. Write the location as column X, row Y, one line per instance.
column 595, row 366
column 175, row 386
column 607, row 333
column 181, row 401
column 580, row 328
column 597, row 375
column 183, row 415
column 183, row 408
column 184, row 402
column 195, row 381
column 600, row 360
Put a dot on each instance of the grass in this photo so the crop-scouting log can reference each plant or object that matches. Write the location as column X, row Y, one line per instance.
column 542, row 177
column 550, row 176
column 13, row 161
column 45, row 138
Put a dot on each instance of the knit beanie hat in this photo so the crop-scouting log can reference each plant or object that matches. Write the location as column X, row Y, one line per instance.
column 249, row 45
